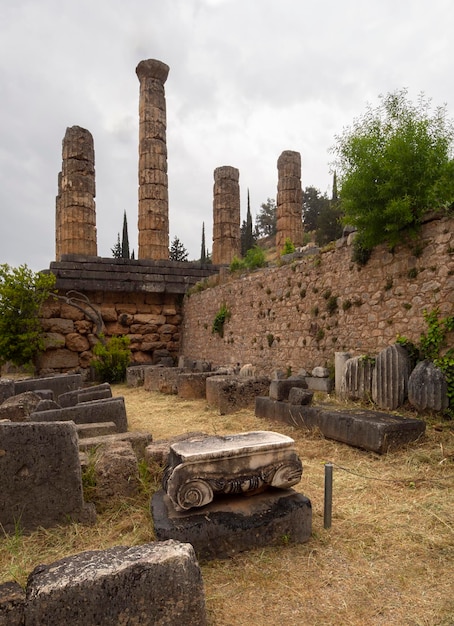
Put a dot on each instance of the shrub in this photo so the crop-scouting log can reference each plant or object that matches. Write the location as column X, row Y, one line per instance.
column 22, row 292
column 289, row 247
column 221, row 317
column 111, row 359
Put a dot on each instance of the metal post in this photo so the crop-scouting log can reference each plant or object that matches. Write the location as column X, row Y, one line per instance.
column 328, row 508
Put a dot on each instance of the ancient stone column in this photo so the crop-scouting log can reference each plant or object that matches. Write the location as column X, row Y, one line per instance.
column 289, row 200
column 153, row 186
column 75, row 216
column 226, row 215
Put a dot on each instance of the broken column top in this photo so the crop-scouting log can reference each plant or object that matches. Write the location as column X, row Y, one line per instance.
column 289, row 155
column 152, row 68
column 227, row 171
column 230, row 445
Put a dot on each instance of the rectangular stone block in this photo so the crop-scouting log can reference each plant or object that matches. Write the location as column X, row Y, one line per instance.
column 192, row 386
column 279, row 389
column 162, row 379
column 154, row 584
column 108, row 410
column 370, row 430
column 231, row 393
column 320, row 384
column 96, row 392
column 237, row 523
column 138, row 440
column 59, row 384
column 40, row 475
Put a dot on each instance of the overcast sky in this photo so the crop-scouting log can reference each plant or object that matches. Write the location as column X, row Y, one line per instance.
column 248, row 79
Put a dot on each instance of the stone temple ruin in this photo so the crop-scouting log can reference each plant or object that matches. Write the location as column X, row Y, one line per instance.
column 50, row 426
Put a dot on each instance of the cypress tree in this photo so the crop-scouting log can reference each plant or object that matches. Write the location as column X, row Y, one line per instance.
column 203, row 255
column 125, row 239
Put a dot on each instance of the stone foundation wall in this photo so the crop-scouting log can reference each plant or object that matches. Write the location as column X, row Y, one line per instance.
column 150, row 320
column 298, row 315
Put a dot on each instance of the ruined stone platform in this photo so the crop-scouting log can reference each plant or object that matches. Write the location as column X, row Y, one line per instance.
column 233, row 524
column 370, row 430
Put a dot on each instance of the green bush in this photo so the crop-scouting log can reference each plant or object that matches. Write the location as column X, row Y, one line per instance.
column 289, row 247
column 255, row 258
column 221, row 317
column 395, row 165
column 111, row 359
column 22, row 292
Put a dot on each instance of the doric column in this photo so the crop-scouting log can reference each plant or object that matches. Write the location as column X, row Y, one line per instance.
column 289, row 200
column 75, row 215
column 226, row 215
column 153, row 185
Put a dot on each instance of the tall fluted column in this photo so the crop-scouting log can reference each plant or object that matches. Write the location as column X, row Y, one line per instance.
column 289, row 200
column 226, row 215
column 153, row 184
column 75, row 215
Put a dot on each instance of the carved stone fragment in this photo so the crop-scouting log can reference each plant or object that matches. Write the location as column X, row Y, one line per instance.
column 427, row 387
column 244, row 463
column 357, row 378
column 390, row 377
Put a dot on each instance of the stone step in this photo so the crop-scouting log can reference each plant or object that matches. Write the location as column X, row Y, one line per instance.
column 370, row 430
column 95, row 429
column 138, row 440
column 106, row 410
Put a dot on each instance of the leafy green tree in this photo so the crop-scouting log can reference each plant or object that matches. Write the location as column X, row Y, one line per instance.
column 22, row 293
column 395, row 165
column 313, row 204
column 177, row 251
column 266, row 219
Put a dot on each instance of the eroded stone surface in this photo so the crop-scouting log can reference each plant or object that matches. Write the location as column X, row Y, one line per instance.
column 154, row 584
column 390, row 377
column 244, row 463
column 427, row 387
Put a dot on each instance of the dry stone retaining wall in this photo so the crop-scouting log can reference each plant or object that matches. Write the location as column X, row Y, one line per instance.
column 298, row 315
column 151, row 321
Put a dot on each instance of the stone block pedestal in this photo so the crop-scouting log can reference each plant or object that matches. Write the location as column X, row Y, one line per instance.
column 232, row 524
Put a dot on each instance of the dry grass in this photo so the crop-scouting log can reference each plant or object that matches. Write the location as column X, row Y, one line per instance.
column 388, row 558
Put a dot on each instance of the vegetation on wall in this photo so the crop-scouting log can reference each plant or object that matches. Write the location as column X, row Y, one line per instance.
column 22, row 292
column 395, row 164
column 255, row 258
column 220, row 319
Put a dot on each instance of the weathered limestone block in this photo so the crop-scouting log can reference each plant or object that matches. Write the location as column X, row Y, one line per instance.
column 390, row 377
column 59, row 383
column 320, row 372
column 135, row 375
column 59, row 359
column 192, row 385
column 231, row 525
column 427, row 388
column 289, row 199
column 95, row 429
column 357, row 378
column 248, row 371
column 226, row 215
column 300, row 396
column 116, row 472
column 138, row 440
column 40, row 476
column 12, row 604
column 154, row 584
column 234, row 464
column 315, row 383
column 370, row 430
column 162, row 379
column 280, row 389
column 18, row 408
column 231, row 393
column 76, row 342
column 95, row 392
column 6, row 389
column 153, row 196
column 108, row 410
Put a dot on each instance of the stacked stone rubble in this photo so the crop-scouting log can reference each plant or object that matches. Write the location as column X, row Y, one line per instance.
column 75, row 205
column 289, row 199
column 226, row 215
column 153, row 185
